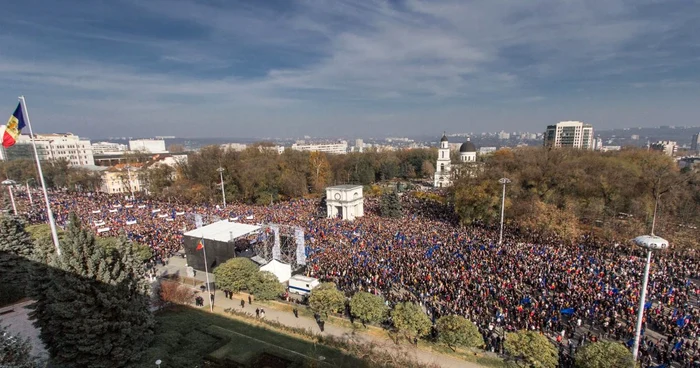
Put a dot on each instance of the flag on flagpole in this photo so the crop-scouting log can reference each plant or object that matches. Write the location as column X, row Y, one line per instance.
column 12, row 130
column 200, row 246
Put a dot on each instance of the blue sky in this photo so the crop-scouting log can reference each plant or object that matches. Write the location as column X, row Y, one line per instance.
column 226, row 68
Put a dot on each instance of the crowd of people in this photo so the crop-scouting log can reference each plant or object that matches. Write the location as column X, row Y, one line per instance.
column 572, row 292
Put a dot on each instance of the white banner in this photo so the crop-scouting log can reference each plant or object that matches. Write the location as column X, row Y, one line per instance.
column 276, row 251
column 169, row 219
column 233, row 218
column 179, row 213
column 131, row 222
column 249, row 217
column 99, row 223
column 129, row 206
column 96, row 211
column 117, row 205
column 163, row 215
column 102, row 230
column 112, row 211
column 301, row 248
column 142, row 206
column 155, row 211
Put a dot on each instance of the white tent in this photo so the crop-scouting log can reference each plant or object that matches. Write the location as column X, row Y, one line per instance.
column 283, row 271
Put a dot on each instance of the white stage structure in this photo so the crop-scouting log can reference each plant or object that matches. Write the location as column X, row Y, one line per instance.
column 282, row 243
column 345, row 201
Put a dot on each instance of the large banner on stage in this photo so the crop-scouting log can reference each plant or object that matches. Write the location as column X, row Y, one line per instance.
column 301, row 249
column 276, row 251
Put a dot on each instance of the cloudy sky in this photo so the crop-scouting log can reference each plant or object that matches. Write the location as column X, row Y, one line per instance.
column 225, row 68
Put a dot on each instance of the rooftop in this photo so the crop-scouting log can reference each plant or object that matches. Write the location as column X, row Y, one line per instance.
column 222, row 231
column 345, row 186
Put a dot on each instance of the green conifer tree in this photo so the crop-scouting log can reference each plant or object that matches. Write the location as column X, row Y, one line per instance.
column 15, row 253
column 93, row 308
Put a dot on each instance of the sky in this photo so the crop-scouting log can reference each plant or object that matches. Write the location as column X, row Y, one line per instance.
column 363, row 68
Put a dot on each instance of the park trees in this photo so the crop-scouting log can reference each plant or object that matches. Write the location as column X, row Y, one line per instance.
column 91, row 304
column 532, row 348
column 458, row 331
column 326, row 299
column 266, row 286
column 369, row 308
column 236, row 274
column 410, row 320
column 560, row 193
column 16, row 248
column 604, row 354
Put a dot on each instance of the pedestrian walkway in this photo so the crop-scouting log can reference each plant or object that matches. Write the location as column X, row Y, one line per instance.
column 287, row 318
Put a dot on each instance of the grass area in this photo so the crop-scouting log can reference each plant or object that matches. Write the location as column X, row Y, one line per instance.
column 185, row 336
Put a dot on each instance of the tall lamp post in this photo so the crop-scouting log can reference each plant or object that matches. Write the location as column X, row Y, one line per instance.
column 503, row 181
column 9, row 183
column 223, row 192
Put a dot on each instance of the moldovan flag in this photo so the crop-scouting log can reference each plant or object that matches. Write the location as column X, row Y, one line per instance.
column 11, row 131
column 200, row 246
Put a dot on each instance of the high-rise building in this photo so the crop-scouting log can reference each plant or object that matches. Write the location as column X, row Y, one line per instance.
column 359, row 145
column 61, row 146
column 572, row 134
column 695, row 143
column 667, row 147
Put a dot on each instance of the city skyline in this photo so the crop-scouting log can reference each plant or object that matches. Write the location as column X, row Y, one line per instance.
column 343, row 68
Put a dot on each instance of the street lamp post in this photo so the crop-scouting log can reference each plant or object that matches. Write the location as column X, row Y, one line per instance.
column 223, row 192
column 503, row 181
column 650, row 243
column 9, row 183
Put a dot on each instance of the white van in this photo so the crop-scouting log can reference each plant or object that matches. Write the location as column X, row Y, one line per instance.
column 302, row 285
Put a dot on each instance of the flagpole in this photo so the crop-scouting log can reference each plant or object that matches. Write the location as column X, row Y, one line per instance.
column 206, row 273
column 52, row 222
column 29, row 193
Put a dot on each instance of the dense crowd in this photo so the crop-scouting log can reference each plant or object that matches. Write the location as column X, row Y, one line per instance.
column 573, row 292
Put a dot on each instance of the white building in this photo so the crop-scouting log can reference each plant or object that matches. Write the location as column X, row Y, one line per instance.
column 66, row 146
column 339, row 147
column 238, row 147
column 467, row 152
column 345, row 201
column 443, row 173
column 667, row 147
column 122, row 179
column 695, row 143
column 359, row 145
column 503, row 135
column 102, row 148
column 147, row 145
column 571, row 134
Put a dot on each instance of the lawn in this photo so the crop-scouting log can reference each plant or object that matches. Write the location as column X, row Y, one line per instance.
column 185, row 336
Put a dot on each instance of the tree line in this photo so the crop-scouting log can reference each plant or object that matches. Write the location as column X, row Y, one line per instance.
column 259, row 175
column 564, row 193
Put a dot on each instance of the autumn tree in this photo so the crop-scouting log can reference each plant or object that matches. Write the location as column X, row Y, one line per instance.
column 319, row 170
column 172, row 292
